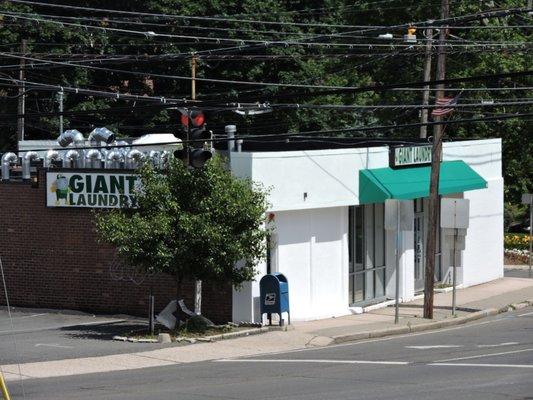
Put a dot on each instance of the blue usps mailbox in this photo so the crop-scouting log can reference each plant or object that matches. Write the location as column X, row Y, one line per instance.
column 274, row 291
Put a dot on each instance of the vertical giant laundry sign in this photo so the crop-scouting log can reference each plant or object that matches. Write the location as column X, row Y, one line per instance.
column 94, row 190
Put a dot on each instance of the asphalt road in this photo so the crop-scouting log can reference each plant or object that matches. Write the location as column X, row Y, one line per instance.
column 42, row 335
column 517, row 271
column 490, row 359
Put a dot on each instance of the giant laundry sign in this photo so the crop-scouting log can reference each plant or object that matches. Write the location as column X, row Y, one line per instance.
column 95, row 190
column 409, row 155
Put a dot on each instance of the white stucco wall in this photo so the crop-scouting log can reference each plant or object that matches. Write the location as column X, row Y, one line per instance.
column 482, row 259
column 311, row 231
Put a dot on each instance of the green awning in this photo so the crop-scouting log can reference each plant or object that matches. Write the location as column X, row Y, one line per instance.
column 377, row 185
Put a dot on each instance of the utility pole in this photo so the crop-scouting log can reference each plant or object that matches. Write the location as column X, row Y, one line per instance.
column 21, row 109
column 198, row 283
column 433, row 209
column 60, row 96
column 427, row 76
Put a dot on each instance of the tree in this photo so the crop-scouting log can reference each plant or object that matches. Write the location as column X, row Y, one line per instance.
column 191, row 224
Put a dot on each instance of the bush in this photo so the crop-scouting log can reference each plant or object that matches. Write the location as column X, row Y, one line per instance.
column 516, row 241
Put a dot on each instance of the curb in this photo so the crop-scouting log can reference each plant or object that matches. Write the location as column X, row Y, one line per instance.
column 401, row 330
column 212, row 338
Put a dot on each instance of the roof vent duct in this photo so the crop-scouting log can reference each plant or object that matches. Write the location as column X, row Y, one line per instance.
column 26, row 163
column 51, row 156
column 101, row 135
column 93, row 159
column 71, row 136
column 133, row 159
column 73, row 159
column 114, row 159
column 7, row 160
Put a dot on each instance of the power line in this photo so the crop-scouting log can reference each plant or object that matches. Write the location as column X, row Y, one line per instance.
column 270, row 84
column 220, row 19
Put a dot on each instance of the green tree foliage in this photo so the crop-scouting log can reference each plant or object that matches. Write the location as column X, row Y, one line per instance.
column 311, row 20
column 191, row 224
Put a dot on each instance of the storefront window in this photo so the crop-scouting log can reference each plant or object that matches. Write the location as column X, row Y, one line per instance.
column 366, row 236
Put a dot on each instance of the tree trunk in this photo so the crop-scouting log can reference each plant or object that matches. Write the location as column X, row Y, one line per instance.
column 198, row 297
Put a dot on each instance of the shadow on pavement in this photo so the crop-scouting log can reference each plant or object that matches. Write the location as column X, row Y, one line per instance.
column 104, row 331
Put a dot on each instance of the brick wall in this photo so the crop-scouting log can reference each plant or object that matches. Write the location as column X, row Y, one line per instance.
column 52, row 259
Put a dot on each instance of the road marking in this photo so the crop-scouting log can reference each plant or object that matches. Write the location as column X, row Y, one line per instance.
column 29, row 316
column 53, row 345
column 483, row 365
column 484, row 355
column 528, row 313
column 437, row 346
column 498, row 345
column 251, row 360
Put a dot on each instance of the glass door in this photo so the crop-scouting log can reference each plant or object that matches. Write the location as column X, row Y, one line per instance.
column 366, row 237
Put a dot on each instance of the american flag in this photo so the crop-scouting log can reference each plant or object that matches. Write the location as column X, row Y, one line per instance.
column 445, row 105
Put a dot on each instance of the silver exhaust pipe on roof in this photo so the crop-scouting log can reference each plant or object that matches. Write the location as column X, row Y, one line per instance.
column 114, row 158
column 51, row 155
column 155, row 158
column 164, row 159
column 93, row 158
column 71, row 136
column 101, row 135
column 73, row 159
column 133, row 159
column 26, row 163
column 7, row 160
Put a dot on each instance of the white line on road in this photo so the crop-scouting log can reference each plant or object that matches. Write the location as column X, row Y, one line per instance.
column 250, row 360
column 53, row 345
column 528, row 313
column 484, row 355
column 437, row 346
column 482, row 365
column 498, row 345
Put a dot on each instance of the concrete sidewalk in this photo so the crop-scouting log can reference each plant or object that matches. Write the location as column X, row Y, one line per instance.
column 496, row 295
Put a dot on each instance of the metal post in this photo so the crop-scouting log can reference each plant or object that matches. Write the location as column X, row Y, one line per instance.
column 397, row 303
column 530, row 234
column 3, row 388
column 60, row 95
column 151, row 312
column 230, row 134
column 22, row 97
column 454, row 282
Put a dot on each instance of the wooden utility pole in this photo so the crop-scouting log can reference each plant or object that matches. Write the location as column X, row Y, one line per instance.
column 21, row 109
column 198, row 283
column 427, row 77
column 433, row 208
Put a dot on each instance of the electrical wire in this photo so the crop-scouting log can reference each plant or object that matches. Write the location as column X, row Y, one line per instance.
column 232, row 20
column 270, row 84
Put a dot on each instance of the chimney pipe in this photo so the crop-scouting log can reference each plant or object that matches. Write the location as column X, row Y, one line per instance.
column 51, row 155
column 133, row 159
column 93, row 159
column 113, row 159
column 70, row 136
column 26, row 163
column 101, row 135
column 73, row 159
column 7, row 160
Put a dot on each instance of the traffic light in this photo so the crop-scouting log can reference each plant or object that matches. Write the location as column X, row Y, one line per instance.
column 194, row 153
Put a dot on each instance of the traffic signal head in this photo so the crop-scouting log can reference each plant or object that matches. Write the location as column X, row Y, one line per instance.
column 196, row 158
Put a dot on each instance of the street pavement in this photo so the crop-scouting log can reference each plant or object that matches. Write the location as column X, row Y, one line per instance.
column 487, row 359
column 517, row 271
column 40, row 335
